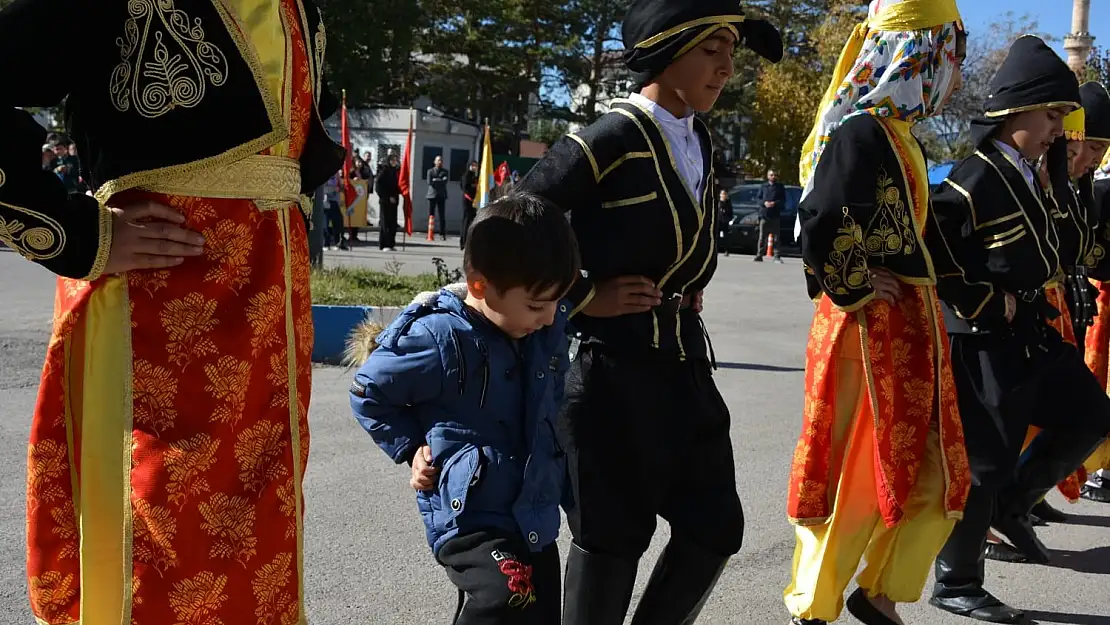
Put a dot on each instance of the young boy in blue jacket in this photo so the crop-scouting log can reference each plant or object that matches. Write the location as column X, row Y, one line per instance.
column 465, row 385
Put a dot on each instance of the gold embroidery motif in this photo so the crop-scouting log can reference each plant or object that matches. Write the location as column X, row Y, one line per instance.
column 186, row 463
column 846, row 267
column 38, row 242
column 892, row 230
column 51, row 594
column 319, row 46
column 230, row 520
column 272, row 182
column 155, row 529
column 198, row 599
column 171, row 71
column 271, row 585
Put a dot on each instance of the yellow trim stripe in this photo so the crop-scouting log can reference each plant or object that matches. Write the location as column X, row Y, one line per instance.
column 632, row 201
column 718, row 20
column 999, row 244
column 1007, row 234
column 106, row 524
column 1000, row 220
column 1032, row 107
column 294, row 404
column 584, row 303
column 589, row 154
column 620, row 161
column 705, row 35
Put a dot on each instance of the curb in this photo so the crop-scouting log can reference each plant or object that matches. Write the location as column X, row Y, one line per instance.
column 333, row 324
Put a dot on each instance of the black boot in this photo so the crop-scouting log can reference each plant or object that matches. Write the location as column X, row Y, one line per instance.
column 1019, row 531
column 681, row 583
column 1095, row 493
column 1045, row 512
column 1053, row 455
column 598, row 587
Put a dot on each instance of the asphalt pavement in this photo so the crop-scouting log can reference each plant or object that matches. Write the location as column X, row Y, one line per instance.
column 367, row 562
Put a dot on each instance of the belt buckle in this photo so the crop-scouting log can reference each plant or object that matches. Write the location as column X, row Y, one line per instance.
column 671, row 303
column 1029, row 296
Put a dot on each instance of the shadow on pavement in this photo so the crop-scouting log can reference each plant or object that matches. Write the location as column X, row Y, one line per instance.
column 1070, row 619
column 1095, row 561
column 749, row 366
column 1088, row 520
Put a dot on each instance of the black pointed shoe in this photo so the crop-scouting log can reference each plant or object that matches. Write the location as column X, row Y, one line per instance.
column 1045, row 512
column 797, row 620
column 862, row 608
column 1001, row 552
column 1019, row 532
column 1100, row 494
column 985, row 607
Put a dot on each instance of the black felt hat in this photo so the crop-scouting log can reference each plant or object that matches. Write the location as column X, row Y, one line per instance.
column 1031, row 77
column 656, row 32
column 1096, row 105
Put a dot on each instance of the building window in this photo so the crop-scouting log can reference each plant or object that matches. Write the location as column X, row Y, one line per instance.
column 460, row 162
column 429, row 158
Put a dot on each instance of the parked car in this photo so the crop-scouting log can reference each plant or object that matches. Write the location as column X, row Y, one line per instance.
column 743, row 230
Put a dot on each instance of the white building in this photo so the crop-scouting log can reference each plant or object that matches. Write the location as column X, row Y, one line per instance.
column 377, row 130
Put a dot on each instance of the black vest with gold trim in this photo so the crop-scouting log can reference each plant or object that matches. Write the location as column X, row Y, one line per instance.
column 634, row 215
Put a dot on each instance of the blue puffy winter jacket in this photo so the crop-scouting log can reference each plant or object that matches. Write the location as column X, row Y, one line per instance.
column 445, row 375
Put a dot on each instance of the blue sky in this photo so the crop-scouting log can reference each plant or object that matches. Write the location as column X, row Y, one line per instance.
column 1053, row 16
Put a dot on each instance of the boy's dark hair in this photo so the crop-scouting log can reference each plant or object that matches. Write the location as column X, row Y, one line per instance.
column 522, row 240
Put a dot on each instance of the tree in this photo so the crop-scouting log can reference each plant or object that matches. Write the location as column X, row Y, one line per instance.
column 592, row 66
column 1098, row 66
column 946, row 136
column 371, row 44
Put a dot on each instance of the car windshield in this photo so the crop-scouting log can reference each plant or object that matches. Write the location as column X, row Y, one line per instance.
column 745, row 194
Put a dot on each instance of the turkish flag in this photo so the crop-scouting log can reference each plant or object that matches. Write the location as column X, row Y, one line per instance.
column 350, row 196
column 502, row 173
column 403, row 179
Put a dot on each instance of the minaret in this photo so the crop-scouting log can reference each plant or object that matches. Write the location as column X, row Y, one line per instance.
column 1078, row 43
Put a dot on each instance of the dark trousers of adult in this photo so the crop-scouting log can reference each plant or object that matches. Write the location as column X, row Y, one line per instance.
column 999, row 379
column 387, row 235
column 768, row 226
column 335, row 224
column 500, row 581
column 468, row 213
column 646, row 437
column 437, row 207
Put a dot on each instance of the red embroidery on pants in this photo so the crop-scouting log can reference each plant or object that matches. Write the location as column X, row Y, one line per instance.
column 520, row 580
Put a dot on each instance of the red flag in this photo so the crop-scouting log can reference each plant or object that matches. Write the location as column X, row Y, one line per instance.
column 403, row 179
column 502, row 173
column 349, row 193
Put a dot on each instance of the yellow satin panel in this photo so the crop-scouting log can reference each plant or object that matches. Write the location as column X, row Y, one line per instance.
column 262, row 22
column 898, row 559
column 904, row 16
column 1100, row 459
column 105, row 433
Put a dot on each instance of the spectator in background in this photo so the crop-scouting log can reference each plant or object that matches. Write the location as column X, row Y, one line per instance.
column 773, row 199
column 48, row 157
column 470, row 196
column 437, row 179
column 335, row 213
column 388, row 189
column 724, row 217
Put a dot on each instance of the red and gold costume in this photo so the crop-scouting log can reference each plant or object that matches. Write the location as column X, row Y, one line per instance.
column 170, row 436
column 880, row 469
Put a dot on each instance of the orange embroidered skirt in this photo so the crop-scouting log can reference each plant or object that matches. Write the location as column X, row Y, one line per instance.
column 1097, row 353
column 170, row 435
column 910, row 390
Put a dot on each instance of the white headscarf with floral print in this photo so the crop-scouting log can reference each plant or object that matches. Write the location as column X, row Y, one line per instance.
column 897, row 74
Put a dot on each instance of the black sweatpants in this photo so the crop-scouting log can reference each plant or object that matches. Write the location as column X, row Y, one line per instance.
column 501, row 582
column 648, row 437
column 438, row 208
column 469, row 212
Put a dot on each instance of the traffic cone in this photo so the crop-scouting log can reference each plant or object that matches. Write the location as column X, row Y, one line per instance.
column 770, row 246
column 431, row 227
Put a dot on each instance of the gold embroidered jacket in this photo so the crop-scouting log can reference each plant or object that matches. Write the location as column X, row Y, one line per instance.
column 991, row 234
column 634, row 215
column 859, row 214
column 161, row 88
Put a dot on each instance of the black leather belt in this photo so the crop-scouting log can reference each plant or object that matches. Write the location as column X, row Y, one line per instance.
column 674, row 302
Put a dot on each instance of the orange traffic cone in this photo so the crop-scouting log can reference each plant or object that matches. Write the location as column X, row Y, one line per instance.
column 770, row 246
column 431, row 227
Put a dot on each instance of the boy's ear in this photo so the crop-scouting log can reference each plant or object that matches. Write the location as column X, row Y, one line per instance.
column 477, row 285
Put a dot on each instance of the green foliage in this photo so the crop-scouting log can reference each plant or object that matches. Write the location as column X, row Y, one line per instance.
column 1098, row 66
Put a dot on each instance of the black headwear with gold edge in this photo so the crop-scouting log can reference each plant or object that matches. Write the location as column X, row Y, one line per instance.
column 657, row 32
column 1096, row 104
column 1032, row 77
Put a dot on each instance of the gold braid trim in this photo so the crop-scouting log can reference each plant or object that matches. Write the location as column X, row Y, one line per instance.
column 104, row 245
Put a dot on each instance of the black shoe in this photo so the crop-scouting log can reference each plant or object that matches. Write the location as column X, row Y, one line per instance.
column 1001, row 552
column 797, row 620
column 1095, row 493
column 680, row 584
column 1045, row 512
column 862, row 608
column 985, row 607
column 1019, row 532
column 758, row 259
column 598, row 587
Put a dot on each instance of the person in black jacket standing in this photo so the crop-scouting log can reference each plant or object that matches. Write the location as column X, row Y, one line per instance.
column 437, row 196
column 772, row 198
column 470, row 195
column 644, row 427
column 724, row 217
column 388, row 190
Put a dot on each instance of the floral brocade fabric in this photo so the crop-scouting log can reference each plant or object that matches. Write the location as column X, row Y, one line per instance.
column 220, row 381
column 910, row 389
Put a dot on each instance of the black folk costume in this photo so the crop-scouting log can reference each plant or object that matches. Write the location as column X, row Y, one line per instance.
column 992, row 233
column 643, row 381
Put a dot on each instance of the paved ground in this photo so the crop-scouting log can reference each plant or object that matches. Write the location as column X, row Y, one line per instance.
column 367, row 562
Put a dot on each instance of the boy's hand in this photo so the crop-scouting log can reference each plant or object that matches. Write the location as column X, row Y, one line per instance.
column 423, row 471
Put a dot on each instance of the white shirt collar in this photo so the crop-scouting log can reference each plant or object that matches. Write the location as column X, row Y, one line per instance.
column 661, row 114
